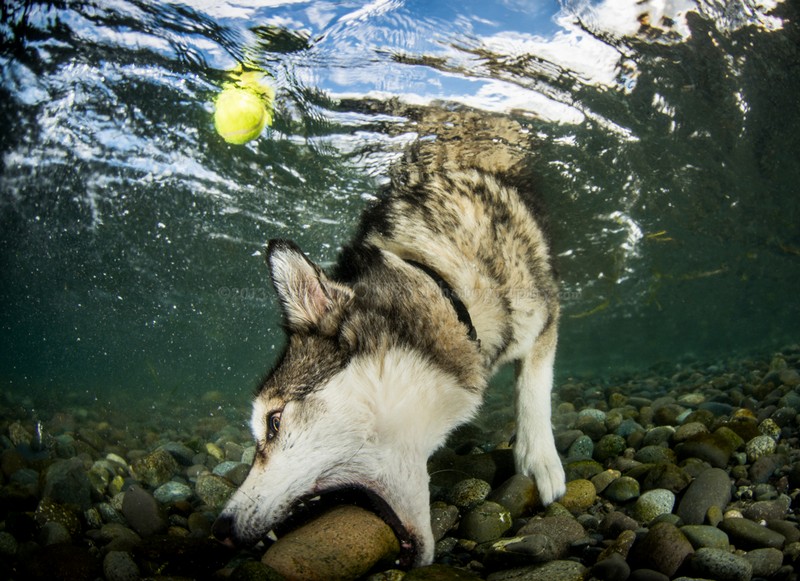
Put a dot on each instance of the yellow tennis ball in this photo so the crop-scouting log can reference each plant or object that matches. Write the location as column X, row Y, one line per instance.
column 240, row 115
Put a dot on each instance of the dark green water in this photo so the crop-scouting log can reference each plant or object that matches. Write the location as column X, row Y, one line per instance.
column 668, row 156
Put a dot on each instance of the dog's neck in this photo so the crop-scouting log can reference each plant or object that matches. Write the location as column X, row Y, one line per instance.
column 449, row 293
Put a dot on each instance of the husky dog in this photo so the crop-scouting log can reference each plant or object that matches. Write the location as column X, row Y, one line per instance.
column 448, row 277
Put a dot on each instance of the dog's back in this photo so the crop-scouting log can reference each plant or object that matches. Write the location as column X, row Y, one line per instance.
column 461, row 202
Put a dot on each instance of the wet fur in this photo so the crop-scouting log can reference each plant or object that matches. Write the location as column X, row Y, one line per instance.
column 379, row 368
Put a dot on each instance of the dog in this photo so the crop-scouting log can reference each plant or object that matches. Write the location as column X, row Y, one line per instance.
column 448, row 277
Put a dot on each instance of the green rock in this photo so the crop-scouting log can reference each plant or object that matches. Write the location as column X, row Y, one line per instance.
column 156, row 468
column 706, row 536
column 746, row 534
column 666, row 475
column 580, row 495
column 622, row 489
column 610, row 446
column 485, row 522
column 517, row 494
column 469, row 493
column 582, row 469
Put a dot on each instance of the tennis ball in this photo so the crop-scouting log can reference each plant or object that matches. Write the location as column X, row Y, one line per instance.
column 240, row 115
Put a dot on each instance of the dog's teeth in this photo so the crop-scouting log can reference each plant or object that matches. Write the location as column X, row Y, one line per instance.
column 272, row 536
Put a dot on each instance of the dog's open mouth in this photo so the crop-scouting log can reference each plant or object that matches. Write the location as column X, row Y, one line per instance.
column 307, row 509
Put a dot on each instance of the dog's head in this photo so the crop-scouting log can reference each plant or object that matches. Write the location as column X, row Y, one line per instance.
column 346, row 408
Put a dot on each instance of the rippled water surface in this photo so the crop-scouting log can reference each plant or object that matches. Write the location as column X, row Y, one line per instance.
column 664, row 140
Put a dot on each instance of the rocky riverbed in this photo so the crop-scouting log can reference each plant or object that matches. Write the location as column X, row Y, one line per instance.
column 685, row 471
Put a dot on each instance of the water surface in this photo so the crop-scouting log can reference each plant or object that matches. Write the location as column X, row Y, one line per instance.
column 665, row 142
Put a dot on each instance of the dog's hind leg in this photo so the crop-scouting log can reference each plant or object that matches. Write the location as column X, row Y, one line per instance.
column 535, row 450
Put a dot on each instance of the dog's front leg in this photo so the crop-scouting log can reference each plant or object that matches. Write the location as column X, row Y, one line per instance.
column 535, row 451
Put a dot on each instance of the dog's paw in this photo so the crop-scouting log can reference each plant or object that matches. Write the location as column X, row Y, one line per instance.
column 548, row 473
column 550, row 480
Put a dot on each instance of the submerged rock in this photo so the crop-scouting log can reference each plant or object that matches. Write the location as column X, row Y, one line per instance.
column 711, row 488
column 342, row 544
column 143, row 512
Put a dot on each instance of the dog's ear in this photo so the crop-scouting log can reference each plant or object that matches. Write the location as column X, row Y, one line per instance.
column 310, row 301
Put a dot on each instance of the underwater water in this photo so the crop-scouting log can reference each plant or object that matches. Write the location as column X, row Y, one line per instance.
column 664, row 141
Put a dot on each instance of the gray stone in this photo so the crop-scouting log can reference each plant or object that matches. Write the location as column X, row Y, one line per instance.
column 658, row 436
column 143, row 512
column 628, row 427
column 711, row 488
column 118, row 537
column 53, row 533
column 764, row 467
column 759, row 446
column 180, row 452
column 664, row 548
column 789, row 530
column 8, row 544
column 655, row 455
column 520, row 551
column 612, row 568
column 172, row 492
column 120, row 566
column 653, row 503
column 565, row 439
column 616, row 522
column 214, row 490
column 721, row 565
column 236, row 472
column 582, row 447
column 66, row 482
column 768, row 509
column 552, row 571
column 562, row 530
column 233, row 451
column 443, row 518
column 109, row 514
column 688, row 430
column 647, row 575
column 255, row 571
column 435, row 572
column 765, row 562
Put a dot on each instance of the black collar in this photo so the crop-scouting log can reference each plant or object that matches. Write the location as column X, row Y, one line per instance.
column 451, row 295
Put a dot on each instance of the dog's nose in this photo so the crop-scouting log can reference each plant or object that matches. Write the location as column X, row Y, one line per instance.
column 222, row 529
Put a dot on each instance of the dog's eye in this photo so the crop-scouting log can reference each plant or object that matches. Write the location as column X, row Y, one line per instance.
column 273, row 424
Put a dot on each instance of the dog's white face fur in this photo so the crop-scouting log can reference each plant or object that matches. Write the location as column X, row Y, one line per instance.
column 370, row 424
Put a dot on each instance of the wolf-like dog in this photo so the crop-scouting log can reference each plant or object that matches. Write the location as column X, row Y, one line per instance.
column 448, row 277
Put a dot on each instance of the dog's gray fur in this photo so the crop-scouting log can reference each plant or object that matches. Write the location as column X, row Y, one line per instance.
column 380, row 366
